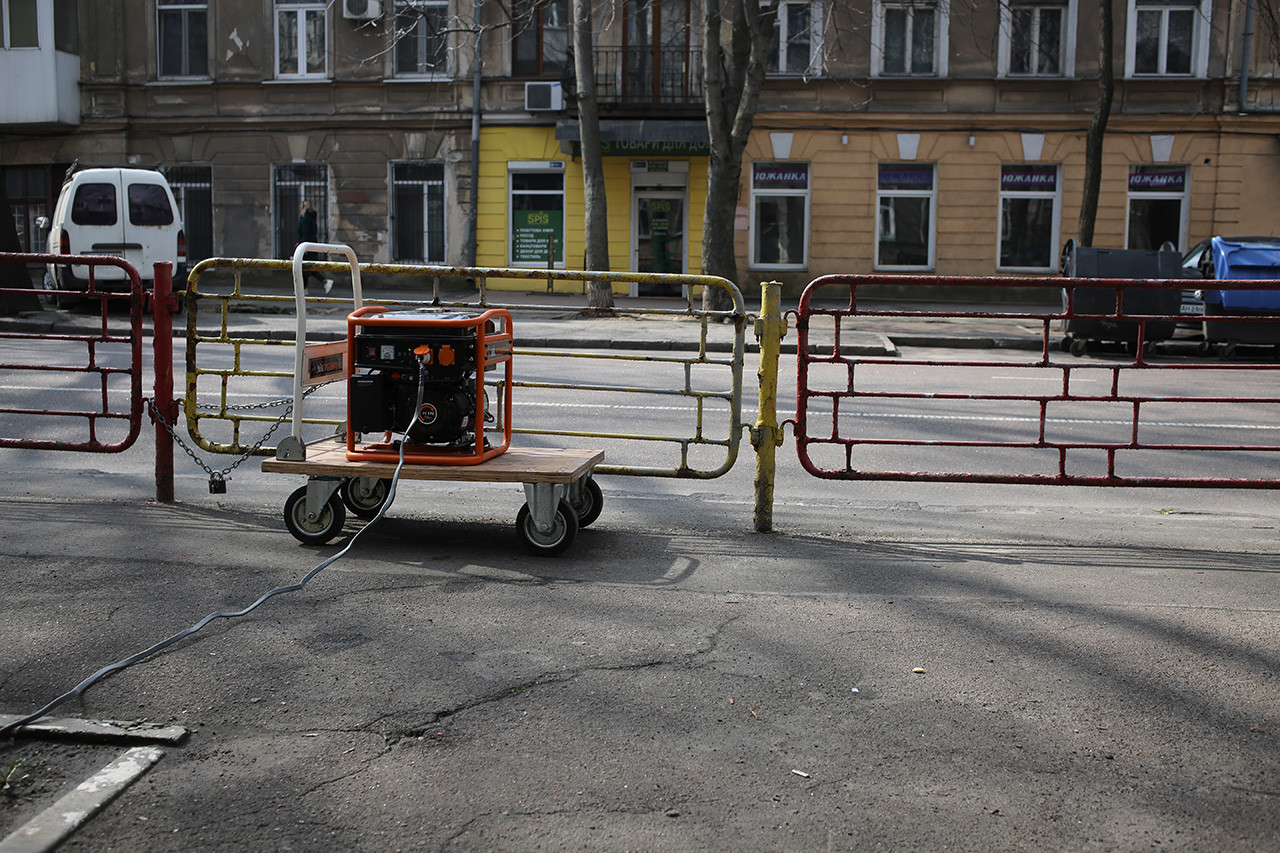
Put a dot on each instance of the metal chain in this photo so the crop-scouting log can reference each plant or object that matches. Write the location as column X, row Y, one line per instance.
column 217, row 475
column 244, row 407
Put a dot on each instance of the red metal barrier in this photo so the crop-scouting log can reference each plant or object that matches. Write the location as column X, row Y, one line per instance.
column 105, row 337
column 1029, row 413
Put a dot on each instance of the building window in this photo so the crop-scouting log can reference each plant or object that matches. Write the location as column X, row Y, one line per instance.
column 18, row 24
column 1167, row 39
column 421, row 37
column 797, row 38
column 193, row 188
column 1037, row 39
column 541, row 42
column 1157, row 206
column 904, row 223
column 292, row 184
column 301, row 32
column 1028, row 217
column 183, row 30
column 27, row 188
column 780, row 215
column 417, row 213
column 536, row 203
column 909, row 38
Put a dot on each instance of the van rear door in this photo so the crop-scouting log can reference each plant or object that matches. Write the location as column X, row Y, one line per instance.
column 150, row 234
column 98, row 226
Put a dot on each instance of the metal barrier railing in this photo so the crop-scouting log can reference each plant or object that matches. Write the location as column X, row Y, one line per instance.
column 103, row 388
column 1129, row 416
column 227, row 365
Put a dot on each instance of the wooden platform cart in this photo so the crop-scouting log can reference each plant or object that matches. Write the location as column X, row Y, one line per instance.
column 560, row 495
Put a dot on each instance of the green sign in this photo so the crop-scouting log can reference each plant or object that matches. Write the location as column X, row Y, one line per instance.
column 642, row 148
column 536, row 234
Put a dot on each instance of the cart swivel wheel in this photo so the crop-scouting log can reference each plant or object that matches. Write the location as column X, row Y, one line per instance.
column 1079, row 346
column 563, row 529
column 589, row 504
column 318, row 530
column 364, row 496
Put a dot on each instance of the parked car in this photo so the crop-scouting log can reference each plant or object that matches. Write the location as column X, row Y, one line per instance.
column 130, row 213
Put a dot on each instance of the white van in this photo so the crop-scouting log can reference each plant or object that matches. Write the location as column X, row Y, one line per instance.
column 129, row 213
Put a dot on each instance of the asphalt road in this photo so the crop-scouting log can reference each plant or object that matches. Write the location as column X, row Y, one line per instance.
column 896, row 667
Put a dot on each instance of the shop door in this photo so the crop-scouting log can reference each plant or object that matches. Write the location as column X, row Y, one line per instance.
column 658, row 231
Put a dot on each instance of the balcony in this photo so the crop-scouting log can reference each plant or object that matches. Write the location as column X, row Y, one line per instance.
column 648, row 77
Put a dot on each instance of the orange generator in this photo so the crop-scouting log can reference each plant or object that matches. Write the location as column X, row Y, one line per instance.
column 422, row 377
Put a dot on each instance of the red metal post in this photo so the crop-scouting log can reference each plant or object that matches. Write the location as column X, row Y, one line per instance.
column 162, row 310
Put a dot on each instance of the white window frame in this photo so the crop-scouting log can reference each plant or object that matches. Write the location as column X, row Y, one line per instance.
column 931, row 194
column 1183, row 198
column 814, row 66
column 1054, row 195
column 393, row 210
column 941, row 37
column 779, row 192
column 6, row 30
column 398, row 9
column 185, row 8
column 1068, row 56
column 543, row 167
column 1199, row 39
column 300, row 9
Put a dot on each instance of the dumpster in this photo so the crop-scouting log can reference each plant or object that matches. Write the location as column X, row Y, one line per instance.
column 1091, row 262
column 1241, row 259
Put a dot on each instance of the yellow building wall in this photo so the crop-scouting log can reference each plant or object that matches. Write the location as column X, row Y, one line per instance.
column 1231, row 177
column 501, row 145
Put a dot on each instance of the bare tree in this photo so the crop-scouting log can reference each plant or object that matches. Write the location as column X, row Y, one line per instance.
column 733, row 73
column 596, row 208
column 1097, row 125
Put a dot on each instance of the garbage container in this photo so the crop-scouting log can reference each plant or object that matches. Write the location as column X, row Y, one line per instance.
column 1241, row 260
column 1091, row 262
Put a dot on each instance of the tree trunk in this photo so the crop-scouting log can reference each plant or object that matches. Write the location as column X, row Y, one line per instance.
column 599, row 293
column 1097, row 126
column 733, row 76
column 13, row 275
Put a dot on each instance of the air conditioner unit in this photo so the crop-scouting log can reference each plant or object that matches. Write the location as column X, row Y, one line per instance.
column 362, row 10
column 540, row 97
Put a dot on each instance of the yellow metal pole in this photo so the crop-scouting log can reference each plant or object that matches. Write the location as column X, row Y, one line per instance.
column 766, row 435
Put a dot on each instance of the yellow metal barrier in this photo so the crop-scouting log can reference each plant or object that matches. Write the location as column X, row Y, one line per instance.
column 767, row 436
column 226, row 364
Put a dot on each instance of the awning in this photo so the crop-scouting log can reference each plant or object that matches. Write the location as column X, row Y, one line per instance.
column 640, row 130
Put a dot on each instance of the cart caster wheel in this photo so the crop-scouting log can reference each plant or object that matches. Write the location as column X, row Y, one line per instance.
column 1065, row 344
column 590, row 503
column 313, row 531
column 560, row 537
column 364, row 496
column 1079, row 346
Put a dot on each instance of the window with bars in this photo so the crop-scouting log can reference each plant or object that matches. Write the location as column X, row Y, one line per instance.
column 193, row 188
column 292, row 184
column 417, row 213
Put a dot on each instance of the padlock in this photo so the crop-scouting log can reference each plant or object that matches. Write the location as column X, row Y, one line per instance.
column 217, row 484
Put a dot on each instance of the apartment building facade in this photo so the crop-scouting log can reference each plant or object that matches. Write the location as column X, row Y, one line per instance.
column 903, row 136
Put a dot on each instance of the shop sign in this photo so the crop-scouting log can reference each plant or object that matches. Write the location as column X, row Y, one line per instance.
column 1028, row 178
column 789, row 176
column 534, row 234
column 906, row 177
column 1157, row 179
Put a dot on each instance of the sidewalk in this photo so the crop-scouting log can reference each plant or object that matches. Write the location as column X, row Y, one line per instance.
column 559, row 321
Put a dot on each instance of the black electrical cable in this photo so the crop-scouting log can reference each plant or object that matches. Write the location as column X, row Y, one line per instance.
column 80, row 688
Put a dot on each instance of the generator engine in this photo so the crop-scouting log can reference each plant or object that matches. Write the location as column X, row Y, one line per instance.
column 420, row 375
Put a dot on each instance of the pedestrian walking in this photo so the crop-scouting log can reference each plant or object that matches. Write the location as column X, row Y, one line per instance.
column 309, row 232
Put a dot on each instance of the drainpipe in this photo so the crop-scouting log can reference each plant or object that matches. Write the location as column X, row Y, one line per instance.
column 469, row 250
column 1246, row 56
